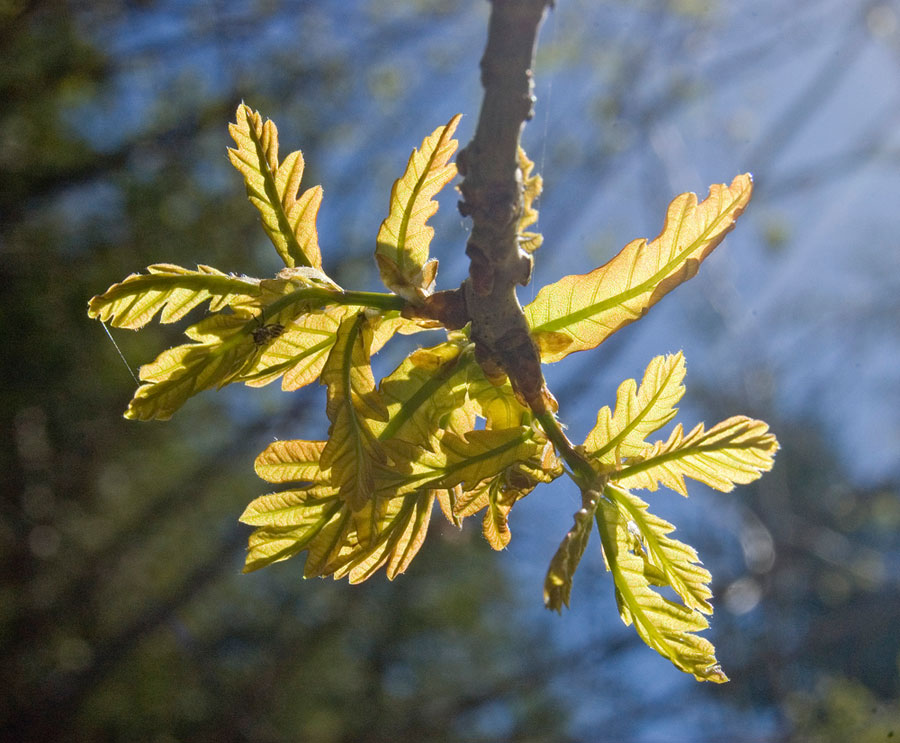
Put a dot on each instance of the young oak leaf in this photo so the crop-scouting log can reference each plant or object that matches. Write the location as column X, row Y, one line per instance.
column 289, row 221
column 639, row 411
column 172, row 290
column 401, row 250
column 667, row 627
column 299, row 351
column 353, row 406
column 401, row 533
column 736, row 451
column 579, row 312
column 678, row 564
column 224, row 349
column 560, row 574
column 291, row 461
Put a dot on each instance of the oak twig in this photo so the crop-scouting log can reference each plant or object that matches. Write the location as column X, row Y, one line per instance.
column 492, row 193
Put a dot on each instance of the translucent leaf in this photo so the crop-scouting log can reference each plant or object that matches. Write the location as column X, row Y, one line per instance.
column 172, row 290
column 579, row 312
column 299, row 351
column 353, row 405
column 180, row 372
column 735, row 451
column 305, row 516
column 495, row 524
column 480, row 455
column 403, row 240
column 291, row 461
column 639, row 411
column 428, row 385
column 666, row 626
column 678, row 563
column 289, row 221
column 401, row 534
column 558, row 583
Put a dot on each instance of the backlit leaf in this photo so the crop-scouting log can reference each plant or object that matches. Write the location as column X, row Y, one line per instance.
column 736, row 451
column 677, row 562
column 639, row 411
column 180, row 372
column 289, row 221
column 666, row 626
column 402, row 244
column 291, row 461
column 579, row 312
column 353, row 406
column 169, row 289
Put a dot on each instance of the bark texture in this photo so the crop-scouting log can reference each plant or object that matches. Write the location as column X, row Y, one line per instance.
column 492, row 191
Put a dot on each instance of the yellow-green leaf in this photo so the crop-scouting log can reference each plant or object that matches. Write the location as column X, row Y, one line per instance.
column 353, row 406
column 172, row 290
column 289, row 221
column 677, row 562
column 639, row 411
column 482, row 454
column 558, row 583
column 291, row 461
column 495, row 524
column 180, row 372
column 402, row 244
column 734, row 452
column 305, row 515
column 666, row 626
column 579, row 312
column 298, row 352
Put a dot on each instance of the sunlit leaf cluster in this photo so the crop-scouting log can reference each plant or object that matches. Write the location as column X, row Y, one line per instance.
column 438, row 429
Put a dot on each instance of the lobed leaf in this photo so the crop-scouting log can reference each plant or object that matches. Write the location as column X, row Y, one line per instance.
column 171, row 290
column 580, row 312
column 289, row 221
column 736, row 451
column 180, row 372
column 353, row 405
column 678, row 563
column 560, row 574
column 298, row 353
column 401, row 250
column 639, row 411
column 291, row 461
column 667, row 627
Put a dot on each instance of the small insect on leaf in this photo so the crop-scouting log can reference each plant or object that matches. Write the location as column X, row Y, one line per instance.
column 266, row 333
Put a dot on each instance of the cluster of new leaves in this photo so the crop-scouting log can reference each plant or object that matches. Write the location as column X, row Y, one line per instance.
column 437, row 428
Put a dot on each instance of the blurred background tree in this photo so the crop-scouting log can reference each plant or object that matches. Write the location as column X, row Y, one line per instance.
column 112, row 138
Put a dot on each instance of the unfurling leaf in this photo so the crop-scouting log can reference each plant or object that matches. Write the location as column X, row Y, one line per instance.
column 289, row 221
column 173, row 290
column 531, row 189
column 666, row 626
column 587, row 309
column 558, row 583
column 639, row 411
column 402, row 244
column 735, row 451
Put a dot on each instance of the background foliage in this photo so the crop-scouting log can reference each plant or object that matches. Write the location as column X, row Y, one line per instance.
column 122, row 611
